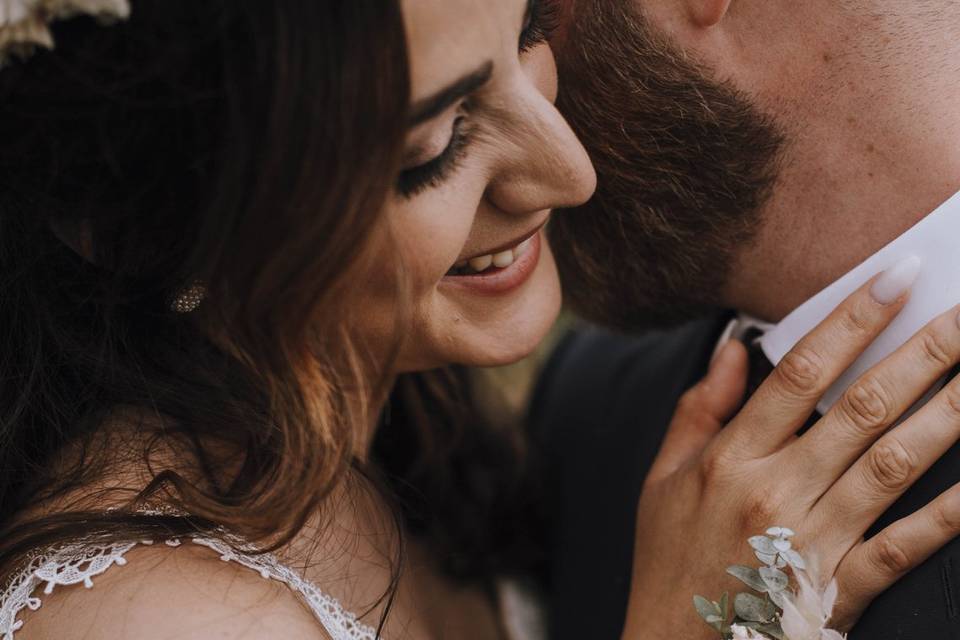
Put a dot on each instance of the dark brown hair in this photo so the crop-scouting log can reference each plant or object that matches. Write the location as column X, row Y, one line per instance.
column 249, row 144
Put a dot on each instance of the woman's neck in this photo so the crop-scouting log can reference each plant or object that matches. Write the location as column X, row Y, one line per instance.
column 369, row 406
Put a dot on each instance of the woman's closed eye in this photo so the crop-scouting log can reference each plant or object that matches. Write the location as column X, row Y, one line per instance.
column 433, row 172
column 539, row 24
column 418, row 175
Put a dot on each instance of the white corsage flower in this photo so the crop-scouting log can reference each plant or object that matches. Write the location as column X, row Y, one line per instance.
column 25, row 24
column 771, row 608
column 805, row 615
column 745, row 633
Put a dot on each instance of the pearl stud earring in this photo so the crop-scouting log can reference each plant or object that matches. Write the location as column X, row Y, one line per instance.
column 189, row 298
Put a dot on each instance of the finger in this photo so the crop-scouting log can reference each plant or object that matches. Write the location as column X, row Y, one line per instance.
column 874, row 565
column 876, row 401
column 786, row 399
column 703, row 410
column 892, row 465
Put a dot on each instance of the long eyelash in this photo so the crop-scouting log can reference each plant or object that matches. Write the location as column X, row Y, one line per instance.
column 418, row 179
column 543, row 21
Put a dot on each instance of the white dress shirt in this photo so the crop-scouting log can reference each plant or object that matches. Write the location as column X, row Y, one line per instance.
column 936, row 241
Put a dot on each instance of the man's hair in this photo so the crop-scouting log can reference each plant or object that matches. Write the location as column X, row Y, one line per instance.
column 685, row 164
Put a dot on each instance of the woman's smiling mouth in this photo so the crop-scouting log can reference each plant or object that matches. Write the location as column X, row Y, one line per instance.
column 499, row 272
column 498, row 258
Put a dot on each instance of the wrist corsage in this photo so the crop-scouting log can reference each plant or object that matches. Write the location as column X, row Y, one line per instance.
column 776, row 607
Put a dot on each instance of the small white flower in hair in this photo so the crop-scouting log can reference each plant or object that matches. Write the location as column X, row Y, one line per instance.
column 25, row 24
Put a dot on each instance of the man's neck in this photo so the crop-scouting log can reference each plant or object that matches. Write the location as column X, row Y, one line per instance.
column 870, row 107
column 933, row 241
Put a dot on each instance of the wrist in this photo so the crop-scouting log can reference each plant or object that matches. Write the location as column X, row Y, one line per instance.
column 654, row 618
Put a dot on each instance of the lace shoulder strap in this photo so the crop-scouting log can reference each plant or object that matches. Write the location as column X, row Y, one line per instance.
column 81, row 562
column 69, row 565
column 339, row 623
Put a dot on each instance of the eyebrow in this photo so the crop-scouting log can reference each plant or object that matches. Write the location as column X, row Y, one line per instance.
column 431, row 107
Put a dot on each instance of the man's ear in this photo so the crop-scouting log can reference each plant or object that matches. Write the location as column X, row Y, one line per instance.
column 707, row 13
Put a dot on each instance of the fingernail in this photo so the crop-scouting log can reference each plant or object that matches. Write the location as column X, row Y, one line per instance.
column 896, row 281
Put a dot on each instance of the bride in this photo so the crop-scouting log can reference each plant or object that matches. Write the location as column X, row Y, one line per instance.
column 245, row 248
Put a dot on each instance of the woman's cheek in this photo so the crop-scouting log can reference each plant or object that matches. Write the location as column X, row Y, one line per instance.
column 430, row 243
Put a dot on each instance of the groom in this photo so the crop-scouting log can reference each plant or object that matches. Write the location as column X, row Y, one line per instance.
column 750, row 153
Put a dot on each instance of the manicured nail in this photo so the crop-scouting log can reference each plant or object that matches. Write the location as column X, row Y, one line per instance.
column 896, row 281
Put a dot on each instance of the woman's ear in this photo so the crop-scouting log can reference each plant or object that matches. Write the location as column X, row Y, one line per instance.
column 708, row 13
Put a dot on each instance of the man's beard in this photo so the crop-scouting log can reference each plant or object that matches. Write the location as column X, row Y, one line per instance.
column 685, row 165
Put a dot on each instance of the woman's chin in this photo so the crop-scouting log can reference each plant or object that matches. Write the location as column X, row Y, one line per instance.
column 489, row 346
column 488, row 331
column 480, row 351
column 507, row 341
column 504, row 355
column 507, row 344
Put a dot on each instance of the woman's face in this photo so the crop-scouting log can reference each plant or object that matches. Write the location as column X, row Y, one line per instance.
column 487, row 158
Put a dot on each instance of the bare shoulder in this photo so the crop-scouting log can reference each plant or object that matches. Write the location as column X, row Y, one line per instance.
column 164, row 593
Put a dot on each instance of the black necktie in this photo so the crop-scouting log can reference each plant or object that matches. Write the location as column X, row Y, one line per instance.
column 760, row 369
column 759, row 366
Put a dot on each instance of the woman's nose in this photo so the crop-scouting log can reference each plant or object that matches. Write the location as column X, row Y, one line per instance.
column 545, row 167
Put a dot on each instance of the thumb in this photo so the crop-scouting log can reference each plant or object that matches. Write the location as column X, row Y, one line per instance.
column 703, row 410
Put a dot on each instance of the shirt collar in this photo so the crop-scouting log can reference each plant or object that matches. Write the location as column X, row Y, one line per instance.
column 936, row 241
column 738, row 328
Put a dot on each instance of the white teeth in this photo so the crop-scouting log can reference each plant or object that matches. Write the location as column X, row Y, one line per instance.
column 481, row 263
column 522, row 249
column 500, row 260
column 503, row 259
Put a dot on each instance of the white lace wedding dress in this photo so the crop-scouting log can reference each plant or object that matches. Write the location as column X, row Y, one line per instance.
column 80, row 563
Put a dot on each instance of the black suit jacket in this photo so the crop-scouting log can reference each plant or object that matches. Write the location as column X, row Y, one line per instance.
column 601, row 409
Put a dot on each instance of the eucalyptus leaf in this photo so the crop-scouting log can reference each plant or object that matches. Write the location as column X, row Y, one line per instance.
column 780, row 532
column 748, row 576
column 780, row 597
column 725, row 606
column 763, row 544
column 795, row 559
column 769, row 559
column 774, row 579
column 711, row 612
column 705, row 608
column 753, row 609
column 782, row 544
column 772, row 629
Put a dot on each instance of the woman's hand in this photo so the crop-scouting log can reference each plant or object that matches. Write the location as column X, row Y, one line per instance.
column 711, row 489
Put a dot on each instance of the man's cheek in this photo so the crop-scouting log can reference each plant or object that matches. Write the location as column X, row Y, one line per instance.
column 541, row 68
